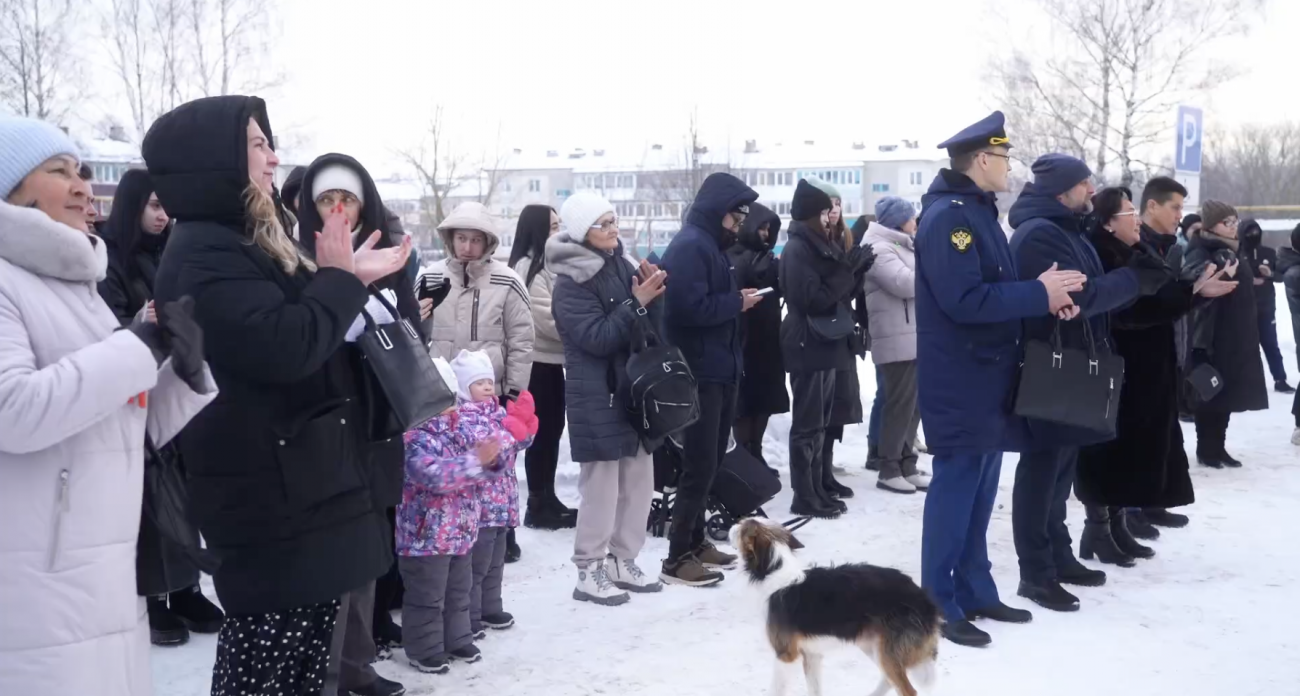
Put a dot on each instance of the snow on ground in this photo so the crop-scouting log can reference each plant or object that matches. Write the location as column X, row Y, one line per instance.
column 1209, row 615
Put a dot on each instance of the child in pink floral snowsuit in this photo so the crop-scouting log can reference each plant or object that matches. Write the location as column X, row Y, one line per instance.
column 437, row 525
column 482, row 415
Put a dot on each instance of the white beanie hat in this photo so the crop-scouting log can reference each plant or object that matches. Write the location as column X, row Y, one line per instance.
column 337, row 177
column 25, row 143
column 448, row 375
column 470, row 367
column 579, row 212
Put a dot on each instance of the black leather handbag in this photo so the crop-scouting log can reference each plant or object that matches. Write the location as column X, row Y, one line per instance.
column 834, row 327
column 1205, row 383
column 167, row 504
column 1070, row 386
column 398, row 360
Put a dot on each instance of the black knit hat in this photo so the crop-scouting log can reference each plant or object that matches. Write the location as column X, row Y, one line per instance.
column 809, row 201
column 292, row 185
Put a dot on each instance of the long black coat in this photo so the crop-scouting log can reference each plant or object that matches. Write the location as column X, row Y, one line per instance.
column 762, row 388
column 1145, row 465
column 276, row 463
column 1225, row 332
column 596, row 316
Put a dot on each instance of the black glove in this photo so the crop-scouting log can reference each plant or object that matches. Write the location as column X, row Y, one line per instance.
column 505, row 399
column 1152, row 273
column 151, row 335
column 185, row 342
column 861, row 259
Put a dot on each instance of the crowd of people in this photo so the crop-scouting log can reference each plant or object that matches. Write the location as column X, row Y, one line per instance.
column 188, row 387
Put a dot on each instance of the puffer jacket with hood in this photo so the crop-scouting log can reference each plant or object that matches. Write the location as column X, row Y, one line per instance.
column 891, row 295
column 594, row 313
column 73, row 418
column 762, row 388
column 702, row 303
column 277, row 464
column 487, row 307
column 385, row 434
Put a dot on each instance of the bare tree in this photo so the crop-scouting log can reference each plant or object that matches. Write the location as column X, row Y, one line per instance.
column 131, row 50
column 1116, row 70
column 438, row 167
column 38, row 63
column 1254, row 165
column 231, row 39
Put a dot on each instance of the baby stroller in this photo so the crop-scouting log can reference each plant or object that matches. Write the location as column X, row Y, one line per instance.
column 741, row 488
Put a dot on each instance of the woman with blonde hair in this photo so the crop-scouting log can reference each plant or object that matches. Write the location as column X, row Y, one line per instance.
column 277, row 464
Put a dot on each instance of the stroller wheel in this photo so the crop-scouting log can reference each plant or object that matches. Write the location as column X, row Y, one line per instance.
column 717, row 527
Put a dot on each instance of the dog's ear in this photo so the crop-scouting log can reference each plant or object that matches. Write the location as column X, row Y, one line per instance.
column 785, row 536
column 794, row 542
column 756, row 548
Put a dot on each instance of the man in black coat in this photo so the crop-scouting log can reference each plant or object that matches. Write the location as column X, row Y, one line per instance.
column 1262, row 260
column 702, row 308
column 1049, row 232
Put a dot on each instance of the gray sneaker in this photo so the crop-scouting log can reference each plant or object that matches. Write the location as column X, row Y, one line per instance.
column 627, row 575
column 689, row 571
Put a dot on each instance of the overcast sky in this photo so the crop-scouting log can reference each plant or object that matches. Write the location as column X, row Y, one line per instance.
column 563, row 73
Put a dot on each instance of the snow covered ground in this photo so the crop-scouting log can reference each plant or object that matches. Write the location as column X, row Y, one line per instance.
column 1211, row 614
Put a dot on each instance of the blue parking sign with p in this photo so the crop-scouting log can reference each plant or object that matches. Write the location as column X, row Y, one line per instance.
column 1187, row 157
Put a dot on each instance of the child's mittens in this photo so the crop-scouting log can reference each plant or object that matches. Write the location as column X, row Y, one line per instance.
column 521, row 417
column 517, row 427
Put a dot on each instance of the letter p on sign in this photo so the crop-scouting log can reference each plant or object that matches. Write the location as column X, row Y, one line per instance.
column 1188, row 154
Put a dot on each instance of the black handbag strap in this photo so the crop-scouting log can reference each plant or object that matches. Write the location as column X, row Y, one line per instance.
column 397, row 318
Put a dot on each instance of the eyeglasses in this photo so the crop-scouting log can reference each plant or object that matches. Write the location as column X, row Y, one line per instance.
column 1131, row 213
column 1231, row 222
column 998, row 154
column 607, row 226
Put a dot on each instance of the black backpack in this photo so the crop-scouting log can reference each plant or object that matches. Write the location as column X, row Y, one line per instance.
column 663, row 399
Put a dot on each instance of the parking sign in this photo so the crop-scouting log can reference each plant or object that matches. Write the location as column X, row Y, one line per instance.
column 1187, row 156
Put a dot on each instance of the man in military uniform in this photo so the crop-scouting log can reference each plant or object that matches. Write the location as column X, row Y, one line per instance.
column 969, row 307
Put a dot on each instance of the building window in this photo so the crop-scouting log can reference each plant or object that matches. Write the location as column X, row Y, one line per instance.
column 659, row 210
column 626, row 181
column 671, row 209
column 880, row 188
column 505, row 186
column 917, row 205
column 640, row 209
column 857, row 176
column 914, row 178
column 563, row 193
column 534, row 185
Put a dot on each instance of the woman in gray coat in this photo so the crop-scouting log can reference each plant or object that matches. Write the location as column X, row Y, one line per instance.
column 891, row 293
column 598, row 299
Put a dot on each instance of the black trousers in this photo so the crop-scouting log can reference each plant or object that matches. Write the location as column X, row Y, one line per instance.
column 358, row 650
column 388, row 591
column 1211, row 431
column 540, row 460
column 1043, row 481
column 1268, row 341
column 749, row 434
column 813, row 397
column 705, row 443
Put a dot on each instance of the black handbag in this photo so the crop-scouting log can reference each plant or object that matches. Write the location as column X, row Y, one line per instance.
column 1205, row 383
column 1070, row 386
column 835, row 327
column 398, row 360
column 167, row 505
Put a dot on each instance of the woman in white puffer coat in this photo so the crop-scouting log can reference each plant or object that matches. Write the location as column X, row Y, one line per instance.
column 76, row 397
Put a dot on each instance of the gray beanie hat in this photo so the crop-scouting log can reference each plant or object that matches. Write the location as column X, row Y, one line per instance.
column 894, row 212
column 24, row 144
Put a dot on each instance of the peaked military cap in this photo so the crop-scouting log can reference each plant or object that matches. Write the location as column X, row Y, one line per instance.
column 987, row 132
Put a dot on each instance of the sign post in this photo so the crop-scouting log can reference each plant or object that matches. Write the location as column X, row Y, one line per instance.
column 1188, row 143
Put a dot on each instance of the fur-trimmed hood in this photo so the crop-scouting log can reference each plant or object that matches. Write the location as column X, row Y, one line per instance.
column 578, row 260
column 34, row 241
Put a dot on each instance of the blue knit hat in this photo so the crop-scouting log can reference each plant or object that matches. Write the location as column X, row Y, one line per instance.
column 894, row 212
column 1055, row 173
column 24, row 144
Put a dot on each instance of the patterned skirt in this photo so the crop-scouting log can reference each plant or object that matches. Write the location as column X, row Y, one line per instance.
column 283, row 653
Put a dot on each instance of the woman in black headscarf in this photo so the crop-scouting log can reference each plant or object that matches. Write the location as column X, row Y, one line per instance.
column 135, row 234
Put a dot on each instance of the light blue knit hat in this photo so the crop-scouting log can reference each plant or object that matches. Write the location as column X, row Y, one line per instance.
column 24, row 144
column 894, row 212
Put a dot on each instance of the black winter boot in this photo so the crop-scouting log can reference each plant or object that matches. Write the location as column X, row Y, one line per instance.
column 1139, row 527
column 1049, row 595
column 1070, row 571
column 568, row 514
column 873, row 457
column 195, row 611
column 1097, row 540
column 165, row 628
column 836, row 489
column 513, row 553
column 1162, row 517
column 1119, row 531
column 541, row 513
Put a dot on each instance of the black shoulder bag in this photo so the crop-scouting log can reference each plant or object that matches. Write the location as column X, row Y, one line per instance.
column 1070, row 386
column 400, row 363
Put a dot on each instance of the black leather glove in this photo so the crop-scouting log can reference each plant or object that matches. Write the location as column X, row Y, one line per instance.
column 505, row 399
column 185, row 342
column 1152, row 273
column 151, row 335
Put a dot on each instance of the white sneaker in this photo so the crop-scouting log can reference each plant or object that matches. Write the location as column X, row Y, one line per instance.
column 919, row 480
column 898, row 484
column 1295, row 437
column 627, row 575
column 595, row 586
